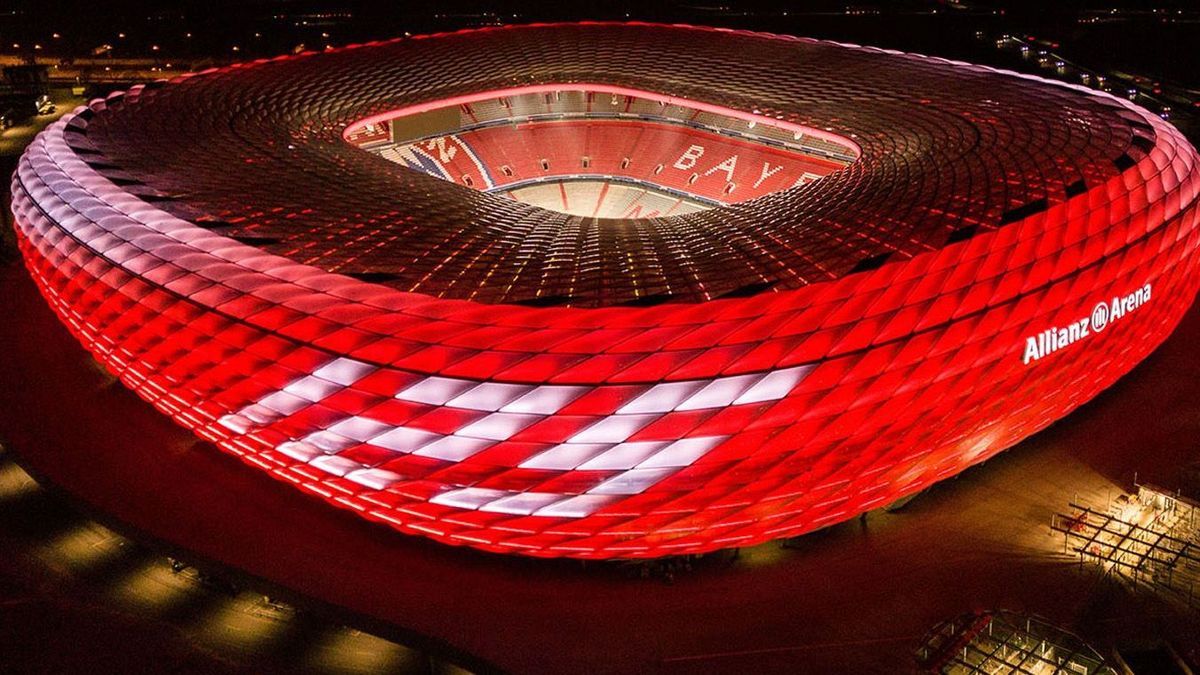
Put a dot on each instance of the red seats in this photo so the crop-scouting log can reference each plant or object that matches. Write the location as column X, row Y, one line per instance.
column 696, row 162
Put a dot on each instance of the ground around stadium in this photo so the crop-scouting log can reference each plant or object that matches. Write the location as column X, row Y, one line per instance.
column 854, row 598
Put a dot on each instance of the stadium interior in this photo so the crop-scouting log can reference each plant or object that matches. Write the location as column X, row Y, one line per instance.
column 604, row 154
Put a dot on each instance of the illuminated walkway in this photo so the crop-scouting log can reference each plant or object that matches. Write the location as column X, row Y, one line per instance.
column 75, row 596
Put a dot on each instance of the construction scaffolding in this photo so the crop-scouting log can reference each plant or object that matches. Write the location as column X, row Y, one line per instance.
column 1151, row 539
column 1006, row 642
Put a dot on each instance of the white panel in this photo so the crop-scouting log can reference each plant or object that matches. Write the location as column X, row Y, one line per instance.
column 301, row 451
column 613, row 429
column 338, row 466
column 468, row 498
column 454, row 448
column 405, row 439
column 284, row 403
column 374, row 478
column 774, row 386
column 545, row 400
column 311, row 388
column 489, row 396
column 661, row 398
column 575, row 507
column 435, row 390
column 330, row 443
column 720, row 392
column 235, row 423
column 631, row 482
column 359, row 428
column 259, row 414
column 683, row 452
column 344, row 371
column 522, row 503
column 497, row 426
column 565, row 456
column 624, row 455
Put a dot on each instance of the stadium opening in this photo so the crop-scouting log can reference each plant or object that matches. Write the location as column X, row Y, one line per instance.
column 604, row 152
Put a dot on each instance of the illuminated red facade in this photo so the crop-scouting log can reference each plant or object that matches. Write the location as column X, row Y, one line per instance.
column 486, row 373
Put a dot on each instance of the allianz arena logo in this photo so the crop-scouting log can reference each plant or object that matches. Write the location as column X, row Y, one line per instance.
column 1104, row 313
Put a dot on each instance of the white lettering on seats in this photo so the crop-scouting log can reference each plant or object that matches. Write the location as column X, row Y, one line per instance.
column 688, row 159
column 767, row 172
column 727, row 166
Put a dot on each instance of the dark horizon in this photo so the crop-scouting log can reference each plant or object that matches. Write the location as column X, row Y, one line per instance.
column 1135, row 38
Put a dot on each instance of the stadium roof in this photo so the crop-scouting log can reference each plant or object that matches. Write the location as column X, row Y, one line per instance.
column 948, row 151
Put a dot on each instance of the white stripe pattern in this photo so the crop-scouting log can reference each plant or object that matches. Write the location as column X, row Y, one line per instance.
column 603, row 446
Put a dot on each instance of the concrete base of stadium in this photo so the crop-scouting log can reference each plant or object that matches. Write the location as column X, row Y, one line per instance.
column 854, row 598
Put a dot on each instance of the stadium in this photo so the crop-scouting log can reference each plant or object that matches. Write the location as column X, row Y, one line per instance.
column 612, row 290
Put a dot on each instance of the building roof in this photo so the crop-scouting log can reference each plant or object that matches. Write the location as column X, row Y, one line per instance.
column 948, row 151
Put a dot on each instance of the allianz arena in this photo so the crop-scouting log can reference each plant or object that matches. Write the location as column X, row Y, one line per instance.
column 612, row 290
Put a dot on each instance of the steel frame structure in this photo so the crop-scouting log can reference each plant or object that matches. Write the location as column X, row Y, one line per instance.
column 1161, row 552
column 1000, row 641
